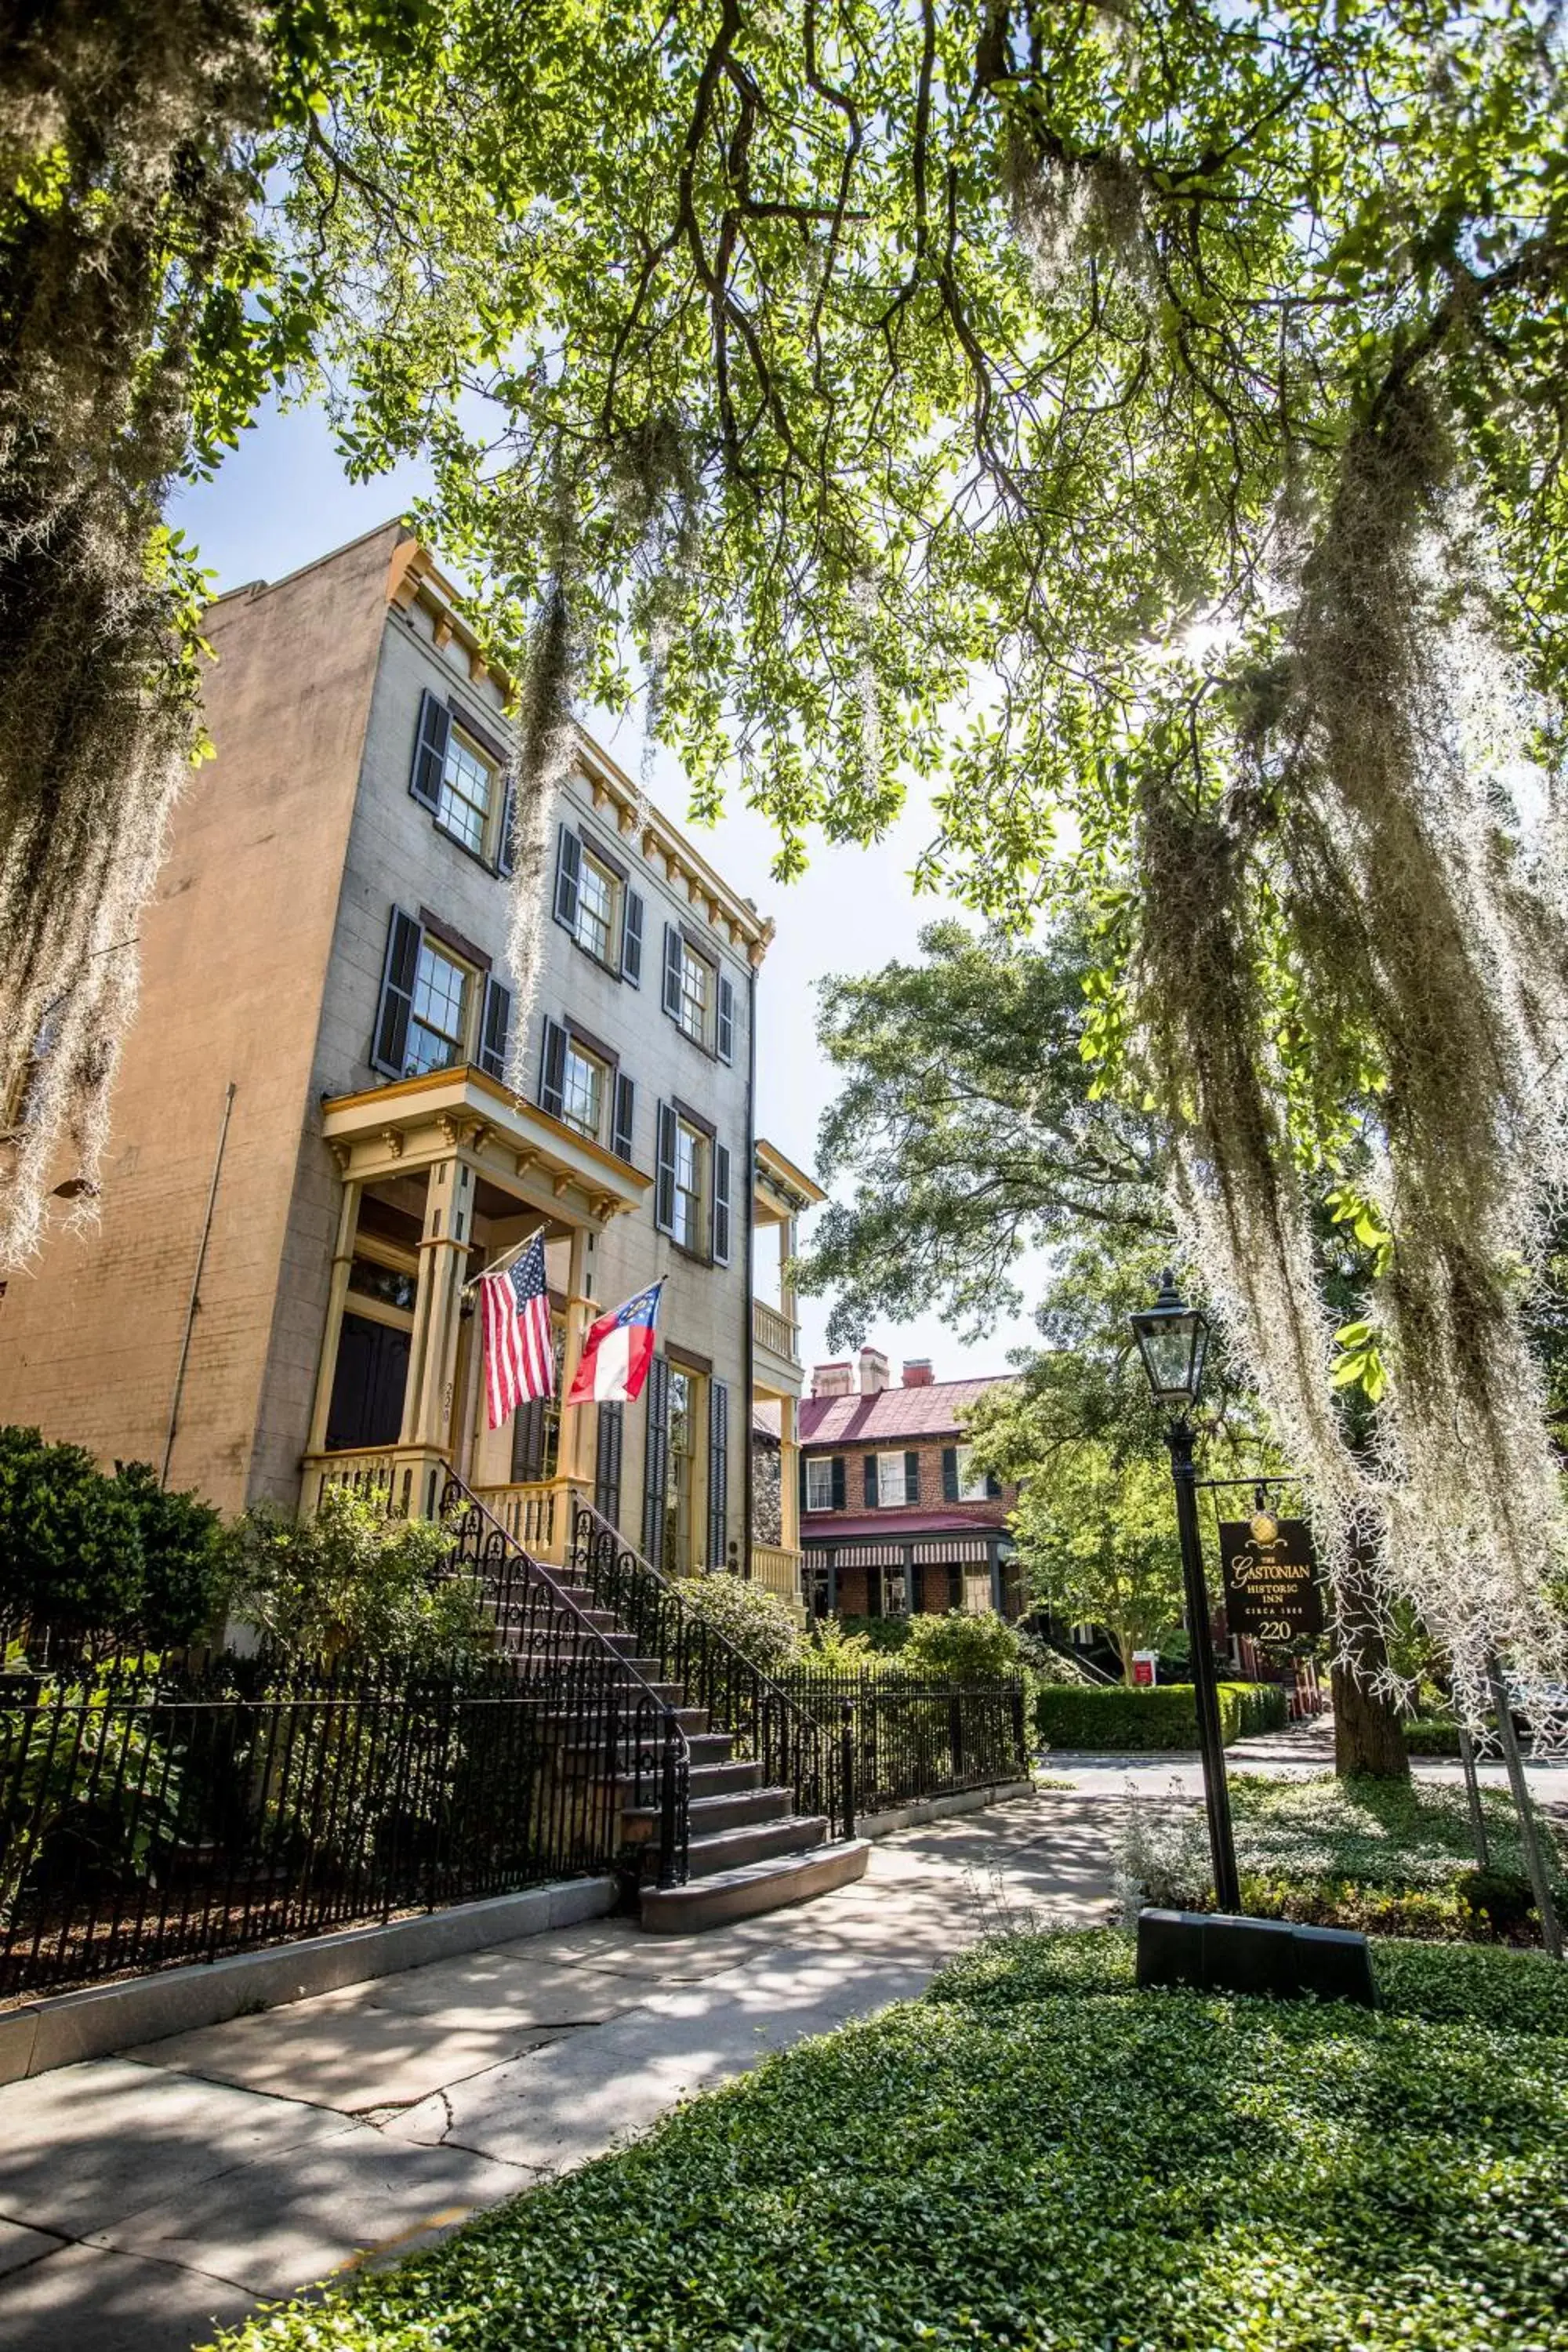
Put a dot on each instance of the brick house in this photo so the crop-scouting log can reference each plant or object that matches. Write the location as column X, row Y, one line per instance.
column 892, row 1518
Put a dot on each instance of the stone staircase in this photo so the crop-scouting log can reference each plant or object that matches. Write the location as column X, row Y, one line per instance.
column 748, row 1850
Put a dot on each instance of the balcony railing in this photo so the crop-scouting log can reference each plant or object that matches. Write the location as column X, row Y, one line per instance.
column 777, row 1570
column 776, row 1331
column 535, row 1516
column 405, row 1480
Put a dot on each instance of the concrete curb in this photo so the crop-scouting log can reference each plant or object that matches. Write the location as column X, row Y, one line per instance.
column 103, row 2017
column 939, row 1808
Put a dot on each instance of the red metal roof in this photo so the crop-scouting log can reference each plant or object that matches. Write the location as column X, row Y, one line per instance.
column 891, row 1413
column 893, row 1525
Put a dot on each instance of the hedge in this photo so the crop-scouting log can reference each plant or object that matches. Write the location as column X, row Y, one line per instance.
column 1430, row 1736
column 1110, row 1716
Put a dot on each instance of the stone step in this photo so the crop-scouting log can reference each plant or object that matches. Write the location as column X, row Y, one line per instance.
column 729, row 1849
column 714, row 1813
column 724, row 1777
column 749, row 1890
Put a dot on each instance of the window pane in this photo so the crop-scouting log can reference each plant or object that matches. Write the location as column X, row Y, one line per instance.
column 971, row 1488
column 890, row 1479
column 467, row 790
column 696, row 986
column 691, row 1170
column 438, row 1027
column 595, row 908
column 583, row 1092
column 819, row 1485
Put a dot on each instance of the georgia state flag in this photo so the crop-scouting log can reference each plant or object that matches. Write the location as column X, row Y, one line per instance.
column 617, row 1352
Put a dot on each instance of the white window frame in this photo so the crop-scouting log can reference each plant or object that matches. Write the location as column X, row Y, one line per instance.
column 891, row 1481
column 690, row 1209
column 697, row 1008
column 819, row 1482
column 457, row 809
column 592, row 867
column 462, row 1042
column 972, row 1484
column 597, row 1088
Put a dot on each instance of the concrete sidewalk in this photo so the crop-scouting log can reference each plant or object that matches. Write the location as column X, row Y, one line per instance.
column 149, row 2198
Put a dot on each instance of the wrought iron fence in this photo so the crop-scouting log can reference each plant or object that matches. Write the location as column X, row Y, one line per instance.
column 768, row 1725
column 908, row 1739
column 152, row 1814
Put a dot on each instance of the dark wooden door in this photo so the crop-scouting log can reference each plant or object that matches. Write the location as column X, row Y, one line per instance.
column 367, row 1386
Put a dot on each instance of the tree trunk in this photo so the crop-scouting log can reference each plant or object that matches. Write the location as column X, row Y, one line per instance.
column 1369, row 1742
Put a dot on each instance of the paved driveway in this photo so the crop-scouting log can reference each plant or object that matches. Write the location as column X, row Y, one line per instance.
column 148, row 2197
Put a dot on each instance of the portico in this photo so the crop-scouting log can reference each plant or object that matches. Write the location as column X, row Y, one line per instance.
column 440, row 1174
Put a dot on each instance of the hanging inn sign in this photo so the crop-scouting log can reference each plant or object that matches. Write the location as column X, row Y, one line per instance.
column 1272, row 1590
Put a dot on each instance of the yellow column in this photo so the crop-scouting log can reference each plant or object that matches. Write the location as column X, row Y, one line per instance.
column 443, row 1257
column 579, row 1422
column 789, row 1475
column 337, row 1298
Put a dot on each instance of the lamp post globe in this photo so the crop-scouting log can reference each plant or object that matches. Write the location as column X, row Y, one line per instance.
column 1173, row 1341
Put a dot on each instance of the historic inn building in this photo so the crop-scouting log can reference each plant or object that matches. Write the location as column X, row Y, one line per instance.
column 315, row 1146
column 893, row 1519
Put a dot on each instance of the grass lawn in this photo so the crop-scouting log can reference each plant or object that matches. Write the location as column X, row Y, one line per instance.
column 1037, row 2155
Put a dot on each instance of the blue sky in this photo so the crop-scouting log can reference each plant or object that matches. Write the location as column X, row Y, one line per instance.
column 282, row 499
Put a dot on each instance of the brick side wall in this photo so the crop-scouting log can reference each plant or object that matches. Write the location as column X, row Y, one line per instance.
column 234, row 951
column 930, row 1450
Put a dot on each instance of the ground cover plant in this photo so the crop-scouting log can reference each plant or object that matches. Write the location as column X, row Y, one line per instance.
column 1039, row 2156
column 1375, row 1855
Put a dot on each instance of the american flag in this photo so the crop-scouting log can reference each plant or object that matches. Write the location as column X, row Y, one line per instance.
column 519, row 1350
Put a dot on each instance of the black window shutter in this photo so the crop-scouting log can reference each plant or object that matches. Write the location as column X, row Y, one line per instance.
column 607, row 1464
column 430, row 751
column 912, row 1477
column 837, row 1488
column 672, row 972
column 721, row 1204
column 625, row 1101
column 389, row 1047
column 528, row 1442
column 870, row 1481
column 726, row 1019
column 631, row 940
column 553, row 1070
column 993, row 1486
column 664, row 1172
column 494, row 1027
column 568, row 872
column 950, row 1473
column 803, row 1482
column 505, row 860
column 656, row 1461
column 718, row 1472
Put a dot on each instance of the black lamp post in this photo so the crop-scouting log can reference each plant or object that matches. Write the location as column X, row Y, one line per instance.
column 1172, row 1339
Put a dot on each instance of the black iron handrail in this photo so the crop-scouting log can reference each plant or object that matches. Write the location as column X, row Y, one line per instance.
column 608, row 1708
column 769, row 1726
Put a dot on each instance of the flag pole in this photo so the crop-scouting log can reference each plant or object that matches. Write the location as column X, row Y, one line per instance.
column 500, row 1264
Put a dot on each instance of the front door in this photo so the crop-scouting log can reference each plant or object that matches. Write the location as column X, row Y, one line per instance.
column 368, row 1385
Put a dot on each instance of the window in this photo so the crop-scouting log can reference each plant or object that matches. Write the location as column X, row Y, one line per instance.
column 696, row 988
column 468, row 793
column 598, row 895
column 583, row 1087
column 389, row 1286
column 690, row 1159
column 438, row 1024
column 890, row 1480
column 680, row 1474
column 818, row 1484
column 972, row 1487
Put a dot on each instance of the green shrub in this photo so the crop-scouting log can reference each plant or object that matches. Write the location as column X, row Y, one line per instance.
column 1428, row 1736
column 830, row 1649
column 182, row 1568
column 1109, row 1716
column 70, row 1538
column 759, row 1623
column 1501, row 1899
column 960, row 1647
column 883, row 1634
column 351, row 1583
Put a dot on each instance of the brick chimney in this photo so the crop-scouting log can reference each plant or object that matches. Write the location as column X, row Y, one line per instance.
column 832, row 1379
column 917, row 1373
column 873, row 1371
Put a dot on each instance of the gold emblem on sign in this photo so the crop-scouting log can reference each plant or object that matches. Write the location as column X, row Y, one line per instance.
column 1262, row 1528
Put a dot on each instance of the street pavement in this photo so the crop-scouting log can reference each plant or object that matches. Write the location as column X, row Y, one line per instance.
column 149, row 2197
